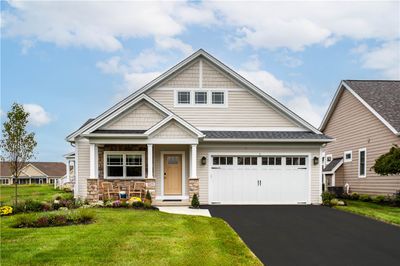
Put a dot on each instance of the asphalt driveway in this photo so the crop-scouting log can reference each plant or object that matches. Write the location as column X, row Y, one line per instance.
column 312, row 235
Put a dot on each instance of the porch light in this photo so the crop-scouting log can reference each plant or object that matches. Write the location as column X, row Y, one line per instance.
column 203, row 160
column 316, row 160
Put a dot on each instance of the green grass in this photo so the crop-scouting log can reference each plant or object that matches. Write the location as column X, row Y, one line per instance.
column 127, row 237
column 379, row 212
column 34, row 192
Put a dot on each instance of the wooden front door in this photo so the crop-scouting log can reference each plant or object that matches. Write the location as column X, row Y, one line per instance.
column 173, row 174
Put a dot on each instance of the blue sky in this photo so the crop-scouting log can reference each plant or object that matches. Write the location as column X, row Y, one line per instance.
column 69, row 61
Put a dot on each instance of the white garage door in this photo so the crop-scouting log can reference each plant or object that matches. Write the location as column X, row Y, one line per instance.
column 259, row 179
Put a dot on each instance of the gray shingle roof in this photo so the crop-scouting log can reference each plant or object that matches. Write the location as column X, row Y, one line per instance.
column 264, row 135
column 332, row 164
column 382, row 95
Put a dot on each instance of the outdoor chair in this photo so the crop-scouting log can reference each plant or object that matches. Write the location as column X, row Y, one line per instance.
column 139, row 188
column 108, row 189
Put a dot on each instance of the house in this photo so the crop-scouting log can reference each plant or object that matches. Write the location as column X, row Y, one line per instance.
column 33, row 173
column 364, row 119
column 68, row 180
column 201, row 128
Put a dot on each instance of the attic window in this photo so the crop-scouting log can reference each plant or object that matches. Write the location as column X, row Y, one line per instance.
column 218, row 97
column 183, row 97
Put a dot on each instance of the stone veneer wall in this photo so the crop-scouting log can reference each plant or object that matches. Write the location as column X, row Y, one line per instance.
column 92, row 190
column 193, row 188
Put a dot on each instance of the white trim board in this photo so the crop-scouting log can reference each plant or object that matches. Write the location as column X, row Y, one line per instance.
column 343, row 85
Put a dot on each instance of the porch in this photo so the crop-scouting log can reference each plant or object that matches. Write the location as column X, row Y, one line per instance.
column 167, row 171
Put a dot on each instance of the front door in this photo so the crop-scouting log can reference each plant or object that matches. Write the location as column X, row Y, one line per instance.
column 173, row 174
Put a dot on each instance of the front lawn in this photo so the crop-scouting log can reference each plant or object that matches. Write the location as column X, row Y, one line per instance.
column 383, row 213
column 33, row 192
column 127, row 237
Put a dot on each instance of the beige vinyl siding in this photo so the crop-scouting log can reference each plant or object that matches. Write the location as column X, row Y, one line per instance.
column 141, row 116
column 355, row 127
column 241, row 104
column 83, row 152
column 186, row 78
column 157, row 164
column 221, row 148
column 172, row 131
column 29, row 170
column 213, row 78
column 244, row 110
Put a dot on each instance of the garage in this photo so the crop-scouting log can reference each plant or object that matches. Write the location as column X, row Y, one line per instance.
column 259, row 179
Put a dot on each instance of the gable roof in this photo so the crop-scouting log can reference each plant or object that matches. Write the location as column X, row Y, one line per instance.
column 200, row 53
column 381, row 97
column 51, row 169
column 333, row 165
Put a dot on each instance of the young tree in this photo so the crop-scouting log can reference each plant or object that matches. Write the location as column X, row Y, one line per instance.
column 388, row 163
column 17, row 145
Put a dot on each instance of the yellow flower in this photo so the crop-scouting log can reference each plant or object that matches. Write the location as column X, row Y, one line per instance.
column 135, row 199
column 5, row 210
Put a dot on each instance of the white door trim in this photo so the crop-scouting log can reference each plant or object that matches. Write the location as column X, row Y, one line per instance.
column 210, row 154
column 183, row 194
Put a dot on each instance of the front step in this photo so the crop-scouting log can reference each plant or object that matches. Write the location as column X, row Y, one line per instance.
column 171, row 203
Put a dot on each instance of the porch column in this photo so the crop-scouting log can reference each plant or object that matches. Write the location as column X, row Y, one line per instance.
column 149, row 160
column 193, row 162
column 67, row 169
column 93, row 160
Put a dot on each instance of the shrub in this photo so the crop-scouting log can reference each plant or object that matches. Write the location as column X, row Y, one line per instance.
column 147, row 204
column 116, row 203
column 333, row 202
column 148, row 197
column 195, row 201
column 124, row 204
column 326, row 198
column 354, row 196
column 137, row 204
column 396, row 199
column 379, row 199
column 33, row 206
column 365, row 198
column 58, row 218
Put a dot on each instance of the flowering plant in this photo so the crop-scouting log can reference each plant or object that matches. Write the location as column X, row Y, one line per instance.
column 116, row 203
column 135, row 199
column 6, row 210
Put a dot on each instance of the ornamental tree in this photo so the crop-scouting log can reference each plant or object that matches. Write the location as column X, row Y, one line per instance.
column 17, row 145
column 388, row 163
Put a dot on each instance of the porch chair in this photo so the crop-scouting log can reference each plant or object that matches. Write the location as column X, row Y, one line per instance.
column 108, row 189
column 139, row 188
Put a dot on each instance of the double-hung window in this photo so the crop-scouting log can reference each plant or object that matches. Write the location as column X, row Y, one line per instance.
column 124, row 165
column 362, row 162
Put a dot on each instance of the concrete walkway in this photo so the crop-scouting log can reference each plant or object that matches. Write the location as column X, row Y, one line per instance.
column 184, row 210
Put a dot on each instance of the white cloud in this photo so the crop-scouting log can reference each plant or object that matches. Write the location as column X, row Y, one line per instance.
column 385, row 58
column 37, row 115
column 296, row 25
column 103, row 25
column 111, row 66
column 302, row 106
column 168, row 43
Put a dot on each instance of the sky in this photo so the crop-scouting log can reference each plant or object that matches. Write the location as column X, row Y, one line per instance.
column 69, row 61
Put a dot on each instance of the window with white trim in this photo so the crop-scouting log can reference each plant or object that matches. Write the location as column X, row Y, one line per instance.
column 183, row 97
column 200, row 97
column 218, row 97
column 124, row 165
column 362, row 162
column 348, row 156
column 4, row 181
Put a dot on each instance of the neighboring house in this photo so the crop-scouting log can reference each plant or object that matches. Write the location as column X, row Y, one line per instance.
column 201, row 128
column 364, row 120
column 68, row 180
column 33, row 173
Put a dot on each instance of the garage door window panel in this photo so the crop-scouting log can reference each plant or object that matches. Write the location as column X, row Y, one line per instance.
column 248, row 160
